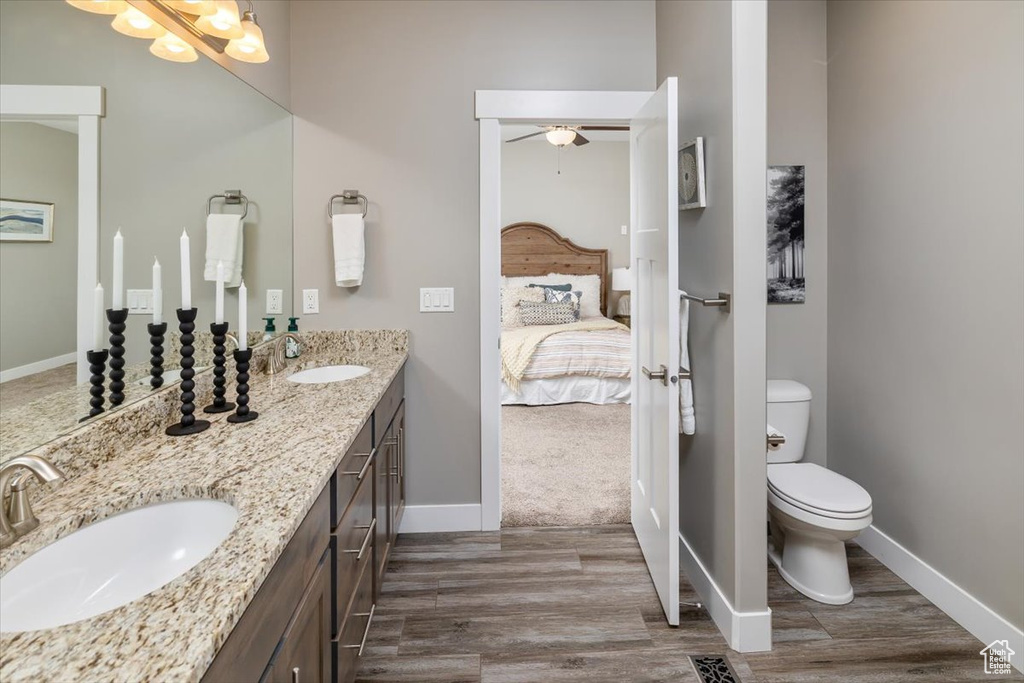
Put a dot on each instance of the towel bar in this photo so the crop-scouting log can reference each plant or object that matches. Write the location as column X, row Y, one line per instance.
column 722, row 301
column 229, row 197
column 348, row 197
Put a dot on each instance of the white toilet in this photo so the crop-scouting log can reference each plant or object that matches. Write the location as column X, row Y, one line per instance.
column 812, row 510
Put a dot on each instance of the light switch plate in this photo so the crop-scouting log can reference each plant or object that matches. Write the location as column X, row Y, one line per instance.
column 310, row 301
column 139, row 301
column 437, row 299
column 275, row 301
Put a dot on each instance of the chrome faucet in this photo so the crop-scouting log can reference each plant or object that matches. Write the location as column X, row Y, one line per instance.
column 232, row 338
column 276, row 362
column 24, row 520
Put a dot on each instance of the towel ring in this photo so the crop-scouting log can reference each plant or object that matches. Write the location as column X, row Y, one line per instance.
column 229, row 197
column 348, row 197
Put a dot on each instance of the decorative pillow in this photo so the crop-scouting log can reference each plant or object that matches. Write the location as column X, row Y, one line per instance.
column 556, row 296
column 561, row 288
column 590, row 285
column 510, row 298
column 547, row 314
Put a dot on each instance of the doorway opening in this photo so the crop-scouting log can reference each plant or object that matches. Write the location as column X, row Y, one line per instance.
column 565, row 339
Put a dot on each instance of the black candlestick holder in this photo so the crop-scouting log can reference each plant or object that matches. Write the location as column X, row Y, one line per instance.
column 189, row 424
column 156, row 353
column 97, row 364
column 116, row 318
column 242, row 412
column 220, row 404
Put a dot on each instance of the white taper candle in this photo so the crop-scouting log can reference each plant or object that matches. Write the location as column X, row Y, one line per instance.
column 218, row 308
column 117, row 296
column 186, row 273
column 158, row 294
column 243, row 327
column 99, row 320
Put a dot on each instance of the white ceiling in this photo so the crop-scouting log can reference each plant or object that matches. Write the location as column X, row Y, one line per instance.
column 513, row 131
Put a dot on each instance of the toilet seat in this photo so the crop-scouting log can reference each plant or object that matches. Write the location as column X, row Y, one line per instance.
column 818, row 491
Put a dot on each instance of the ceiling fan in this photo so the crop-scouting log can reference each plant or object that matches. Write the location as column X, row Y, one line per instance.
column 561, row 136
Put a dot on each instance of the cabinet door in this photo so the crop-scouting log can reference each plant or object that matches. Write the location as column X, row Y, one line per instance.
column 304, row 654
column 381, row 491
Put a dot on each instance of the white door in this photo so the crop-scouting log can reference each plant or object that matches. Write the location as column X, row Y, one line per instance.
column 655, row 323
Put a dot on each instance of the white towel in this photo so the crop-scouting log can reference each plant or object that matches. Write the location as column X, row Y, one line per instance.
column 687, row 419
column 772, row 431
column 224, row 243
column 349, row 249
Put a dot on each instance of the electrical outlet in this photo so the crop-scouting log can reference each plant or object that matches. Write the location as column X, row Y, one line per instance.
column 310, row 301
column 275, row 301
column 625, row 229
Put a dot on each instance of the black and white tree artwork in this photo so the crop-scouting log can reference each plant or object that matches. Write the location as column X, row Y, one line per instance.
column 786, row 235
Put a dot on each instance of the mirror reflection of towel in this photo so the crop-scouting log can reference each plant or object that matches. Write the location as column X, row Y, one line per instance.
column 224, row 243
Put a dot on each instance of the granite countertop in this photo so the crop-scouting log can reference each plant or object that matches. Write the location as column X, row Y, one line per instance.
column 271, row 470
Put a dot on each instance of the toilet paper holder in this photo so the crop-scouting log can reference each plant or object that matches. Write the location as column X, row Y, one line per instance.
column 775, row 441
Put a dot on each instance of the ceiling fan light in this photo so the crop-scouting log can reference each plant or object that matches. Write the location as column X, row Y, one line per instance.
column 173, row 49
column 200, row 8
column 132, row 22
column 99, row 6
column 224, row 23
column 251, row 47
column 560, row 137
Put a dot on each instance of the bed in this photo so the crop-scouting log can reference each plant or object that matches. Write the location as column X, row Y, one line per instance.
column 584, row 362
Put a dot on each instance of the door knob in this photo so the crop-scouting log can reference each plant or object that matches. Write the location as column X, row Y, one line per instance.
column 661, row 375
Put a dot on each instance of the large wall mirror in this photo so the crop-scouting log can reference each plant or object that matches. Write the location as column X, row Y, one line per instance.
column 168, row 136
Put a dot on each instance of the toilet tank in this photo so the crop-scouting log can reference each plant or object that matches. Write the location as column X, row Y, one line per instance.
column 789, row 411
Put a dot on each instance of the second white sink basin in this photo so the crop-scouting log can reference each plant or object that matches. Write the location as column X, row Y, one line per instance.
column 111, row 563
column 328, row 373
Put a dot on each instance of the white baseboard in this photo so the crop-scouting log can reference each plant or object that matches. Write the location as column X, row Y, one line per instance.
column 961, row 606
column 422, row 519
column 38, row 366
column 744, row 631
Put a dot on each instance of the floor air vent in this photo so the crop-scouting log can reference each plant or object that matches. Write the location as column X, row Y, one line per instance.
column 714, row 669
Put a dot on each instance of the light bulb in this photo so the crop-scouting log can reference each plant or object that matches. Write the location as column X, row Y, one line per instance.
column 100, row 6
column 250, row 48
column 560, row 137
column 173, row 49
column 134, row 23
column 200, row 8
column 224, row 23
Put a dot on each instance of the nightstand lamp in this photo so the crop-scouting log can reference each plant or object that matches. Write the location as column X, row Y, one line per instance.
column 622, row 281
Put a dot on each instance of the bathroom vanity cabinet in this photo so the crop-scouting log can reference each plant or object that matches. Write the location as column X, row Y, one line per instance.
column 309, row 620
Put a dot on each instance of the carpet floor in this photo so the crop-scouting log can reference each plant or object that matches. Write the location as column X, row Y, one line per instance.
column 564, row 465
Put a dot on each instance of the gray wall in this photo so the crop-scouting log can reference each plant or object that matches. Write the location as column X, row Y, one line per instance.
column 173, row 135
column 380, row 106
column 37, row 279
column 926, row 303
column 588, row 203
column 722, row 467
column 797, row 135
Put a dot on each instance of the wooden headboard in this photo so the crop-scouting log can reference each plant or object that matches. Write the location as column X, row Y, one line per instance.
column 535, row 249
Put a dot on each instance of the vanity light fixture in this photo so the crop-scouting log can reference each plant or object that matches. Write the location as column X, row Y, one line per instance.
column 100, row 6
column 560, row 136
column 132, row 22
column 224, row 23
column 199, row 8
column 251, row 47
column 173, row 49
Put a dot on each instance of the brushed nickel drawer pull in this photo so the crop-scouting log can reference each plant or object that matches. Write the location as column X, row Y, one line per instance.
column 295, row 675
column 366, row 631
column 366, row 540
column 401, row 450
column 369, row 461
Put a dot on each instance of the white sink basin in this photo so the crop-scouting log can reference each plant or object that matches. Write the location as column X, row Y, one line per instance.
column 111, row 563
column 328, row 373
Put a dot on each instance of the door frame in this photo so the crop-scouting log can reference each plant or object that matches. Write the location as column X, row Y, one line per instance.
column 493, row 108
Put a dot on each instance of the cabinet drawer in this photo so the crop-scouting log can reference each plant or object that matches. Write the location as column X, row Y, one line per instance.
column 387, row 407
column 354, row 468
column 348, row 646
column 353, row 542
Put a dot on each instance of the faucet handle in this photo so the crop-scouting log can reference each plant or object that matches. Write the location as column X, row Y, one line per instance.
column 20, row 513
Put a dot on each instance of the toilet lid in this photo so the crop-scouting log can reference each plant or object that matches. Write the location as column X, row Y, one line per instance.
column 815, row 488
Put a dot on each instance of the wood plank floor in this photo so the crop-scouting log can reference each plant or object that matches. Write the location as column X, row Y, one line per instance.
column 577, row 604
